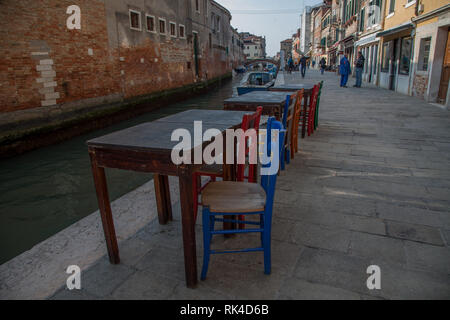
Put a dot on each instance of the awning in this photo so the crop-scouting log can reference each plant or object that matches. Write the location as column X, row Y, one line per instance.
column 366, row 40
column 397, row 29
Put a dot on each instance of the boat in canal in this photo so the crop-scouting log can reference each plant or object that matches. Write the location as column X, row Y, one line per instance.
column 256, row 81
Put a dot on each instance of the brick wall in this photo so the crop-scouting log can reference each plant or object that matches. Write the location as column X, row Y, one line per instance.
column 43, row 63
column 420, row 85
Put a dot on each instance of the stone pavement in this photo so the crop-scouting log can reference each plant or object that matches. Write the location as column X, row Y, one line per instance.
column 370, row 187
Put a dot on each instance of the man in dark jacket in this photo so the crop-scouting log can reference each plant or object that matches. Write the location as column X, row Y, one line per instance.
column 359, row 67
column 322, row 63
column 303, row 65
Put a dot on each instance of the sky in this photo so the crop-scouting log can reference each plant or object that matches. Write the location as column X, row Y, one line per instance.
column 275, row 19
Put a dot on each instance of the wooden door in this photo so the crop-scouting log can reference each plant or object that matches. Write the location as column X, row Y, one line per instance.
column 445, row 75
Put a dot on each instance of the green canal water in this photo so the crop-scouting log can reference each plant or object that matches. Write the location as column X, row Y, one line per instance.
column 46, row 190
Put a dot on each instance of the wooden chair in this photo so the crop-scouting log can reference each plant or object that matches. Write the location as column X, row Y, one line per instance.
column 295, row 123
column 309, row 121
column 316, row 118
column 227, row 198
column 249, row 121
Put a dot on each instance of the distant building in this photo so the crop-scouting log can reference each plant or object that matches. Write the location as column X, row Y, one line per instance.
column 286, row 47
column 305, row 28
column 254, row 46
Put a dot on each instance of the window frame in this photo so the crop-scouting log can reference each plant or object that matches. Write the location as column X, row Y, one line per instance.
column 171, row 23
column 421, row 57
column 391, row 6
column 165, row 26
column 197, row 6
column 146, row 23
column 400, row 65
column 140, row 19
column 184, row 31
column 385, row 54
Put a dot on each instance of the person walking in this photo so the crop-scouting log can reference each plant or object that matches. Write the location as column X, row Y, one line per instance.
column 290, row 64
column 344, row 70
column 359, row 67
column 303, row 65
column 313, row 63
column 322, row 64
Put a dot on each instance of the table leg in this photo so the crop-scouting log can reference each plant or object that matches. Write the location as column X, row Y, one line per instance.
column 105, row 209
column 188, row 226
column 162, row 193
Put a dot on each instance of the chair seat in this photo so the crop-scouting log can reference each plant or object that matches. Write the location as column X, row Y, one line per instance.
column 232, row 196
column 216, row 169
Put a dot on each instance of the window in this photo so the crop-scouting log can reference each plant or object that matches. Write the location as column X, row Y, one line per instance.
column 374, row 15
column 150, row 23
column 424, row 54
column 197, row 5
column 361, row 21
column 386, row 58
column 173, row 29
column 182, row 31
column 162, row 26
column 218, row 24
column 135, row 20
column 375, row 59
column 405, row 55
column 213, row 22
column 392, row 6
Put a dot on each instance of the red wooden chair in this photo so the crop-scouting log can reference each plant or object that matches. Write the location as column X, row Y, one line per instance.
column 310, row 112
column 249, row 121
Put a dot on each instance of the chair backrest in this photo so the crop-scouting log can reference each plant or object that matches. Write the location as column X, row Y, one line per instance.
column 296, row 116
column 249, row 121
column 268, row 181
column 287, row 103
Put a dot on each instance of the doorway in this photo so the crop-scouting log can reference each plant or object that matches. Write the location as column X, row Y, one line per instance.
column 394, row 58
column 445, row 74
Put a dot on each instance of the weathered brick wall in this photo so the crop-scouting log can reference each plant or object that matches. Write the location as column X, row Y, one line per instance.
column 43, row 63
column 420, row 85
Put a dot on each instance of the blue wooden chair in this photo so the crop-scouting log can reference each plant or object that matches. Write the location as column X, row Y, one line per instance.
column 229, row 198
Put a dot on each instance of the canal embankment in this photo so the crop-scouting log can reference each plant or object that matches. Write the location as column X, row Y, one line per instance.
column 29, row 129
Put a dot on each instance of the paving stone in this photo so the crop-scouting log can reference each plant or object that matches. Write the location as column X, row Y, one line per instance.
column 377, row 248
column 297, row 289
column 426, row 257
column 74, row 294
column 102, row 278
column 414, row 232
column 143, row 285
column 408, row 214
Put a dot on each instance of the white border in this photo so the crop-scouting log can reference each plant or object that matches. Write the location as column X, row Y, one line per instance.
column 184, row 31
column 176, row 32
column 159, row 26
column 146, row 24
column 409, row 4
column 129, row 18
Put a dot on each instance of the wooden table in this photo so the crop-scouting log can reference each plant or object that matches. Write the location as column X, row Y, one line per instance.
column 147, row 148
column 308, row 88
column 272, row 102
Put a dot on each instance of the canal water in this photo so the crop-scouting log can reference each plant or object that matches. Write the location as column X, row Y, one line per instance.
column 46, row 190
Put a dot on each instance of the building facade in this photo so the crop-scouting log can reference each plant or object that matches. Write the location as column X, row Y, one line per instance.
column 254, row 46
column 121, row 49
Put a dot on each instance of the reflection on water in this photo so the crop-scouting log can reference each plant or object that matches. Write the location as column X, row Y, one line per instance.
column 46, row 190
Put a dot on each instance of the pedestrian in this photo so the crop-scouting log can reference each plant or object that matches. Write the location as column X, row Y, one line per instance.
column 290, row 64
column 359, row 67
column 322, row 64
column 313, row 63
column 344, row 70
column 303, row 65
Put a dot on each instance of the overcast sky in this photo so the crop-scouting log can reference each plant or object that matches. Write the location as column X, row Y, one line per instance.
column 258, row 17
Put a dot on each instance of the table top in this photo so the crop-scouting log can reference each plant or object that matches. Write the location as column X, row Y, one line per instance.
column 293, row 86
column 156, row 135
column 260, row 97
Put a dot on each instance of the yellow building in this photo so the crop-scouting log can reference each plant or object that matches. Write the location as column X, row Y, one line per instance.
column 432, row 53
